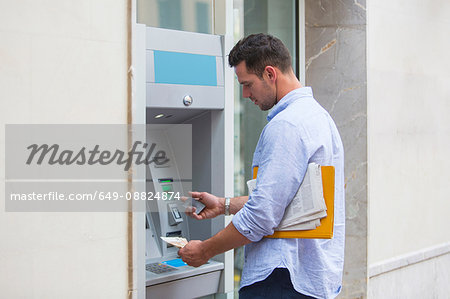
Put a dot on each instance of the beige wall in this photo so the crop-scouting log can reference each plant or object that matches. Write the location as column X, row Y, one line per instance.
column 408, row 126
column 62, row 62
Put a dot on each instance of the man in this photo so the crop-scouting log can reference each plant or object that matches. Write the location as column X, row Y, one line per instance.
column 299, row 132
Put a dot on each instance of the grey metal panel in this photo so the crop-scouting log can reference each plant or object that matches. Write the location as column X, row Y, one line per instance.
column 149, row 66
column 219, row 68
column 217, row 167
column 191, row 287
column 201, row 170
column 182, row 41
column 171, row 96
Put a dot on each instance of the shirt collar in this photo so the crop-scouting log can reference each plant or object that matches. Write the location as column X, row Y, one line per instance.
column 288, row 99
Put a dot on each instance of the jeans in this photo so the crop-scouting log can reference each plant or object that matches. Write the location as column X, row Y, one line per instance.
column 277, row 285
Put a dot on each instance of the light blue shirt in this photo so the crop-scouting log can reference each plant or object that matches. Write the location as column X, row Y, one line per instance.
column 299, row 132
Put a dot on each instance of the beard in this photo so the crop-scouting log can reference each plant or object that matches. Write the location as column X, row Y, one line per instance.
column 267, row 106
column 270, row 98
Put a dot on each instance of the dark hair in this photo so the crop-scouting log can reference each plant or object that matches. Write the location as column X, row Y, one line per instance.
column 258, row 51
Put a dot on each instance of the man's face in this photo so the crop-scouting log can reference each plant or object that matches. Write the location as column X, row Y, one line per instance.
column 261, row 91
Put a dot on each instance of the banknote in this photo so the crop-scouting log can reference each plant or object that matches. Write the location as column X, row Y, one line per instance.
column 175, row 241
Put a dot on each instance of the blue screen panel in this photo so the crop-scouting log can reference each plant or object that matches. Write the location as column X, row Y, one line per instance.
column 185, row 68
column 175, row 263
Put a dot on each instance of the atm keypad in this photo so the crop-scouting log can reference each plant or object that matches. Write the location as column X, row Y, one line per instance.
column 158, row 268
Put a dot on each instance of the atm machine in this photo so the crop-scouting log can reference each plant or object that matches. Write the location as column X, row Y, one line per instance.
column 185, row 117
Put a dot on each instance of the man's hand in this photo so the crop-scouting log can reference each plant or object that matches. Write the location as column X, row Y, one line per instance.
column 194, row 253
column 214, row 206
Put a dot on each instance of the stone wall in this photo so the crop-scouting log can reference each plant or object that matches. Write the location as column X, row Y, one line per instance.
column 336, row 70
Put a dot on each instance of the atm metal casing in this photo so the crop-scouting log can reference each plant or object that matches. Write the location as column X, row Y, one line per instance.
column 184, row 82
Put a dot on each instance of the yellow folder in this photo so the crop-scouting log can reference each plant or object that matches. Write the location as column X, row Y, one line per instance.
column 325, row 230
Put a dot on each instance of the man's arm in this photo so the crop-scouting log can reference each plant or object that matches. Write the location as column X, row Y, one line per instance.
column 236, row 203
column 197, row 253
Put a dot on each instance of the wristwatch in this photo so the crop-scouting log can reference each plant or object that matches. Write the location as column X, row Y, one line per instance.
column 227, row 206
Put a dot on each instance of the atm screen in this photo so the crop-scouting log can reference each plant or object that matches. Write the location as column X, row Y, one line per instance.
column 167, row 188
column 166, row 184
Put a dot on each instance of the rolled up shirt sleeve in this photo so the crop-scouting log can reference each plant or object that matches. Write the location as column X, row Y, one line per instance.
column 282, row 159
